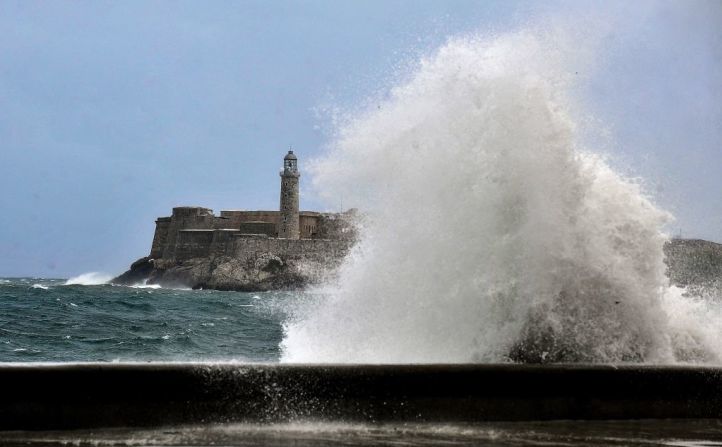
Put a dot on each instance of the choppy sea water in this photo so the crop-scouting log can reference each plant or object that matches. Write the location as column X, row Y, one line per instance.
column 45, row 320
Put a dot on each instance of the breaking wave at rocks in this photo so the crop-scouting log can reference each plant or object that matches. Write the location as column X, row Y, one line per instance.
column 89, row 279
column 491, row 234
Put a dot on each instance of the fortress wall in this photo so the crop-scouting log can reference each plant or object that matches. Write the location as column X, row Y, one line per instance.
column 222, row 243
column 185, row 218
column 224, row 223
column 337, row 225
column 235, row 218
column 246, row 246
column 193, row 244
column 193, row 232
column 316, row 249
column 267, row 228
column 308, row 223
column 162, row 224
column 204, row 243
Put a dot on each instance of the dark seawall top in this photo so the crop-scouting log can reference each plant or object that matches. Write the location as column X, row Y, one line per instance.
column 70, row 396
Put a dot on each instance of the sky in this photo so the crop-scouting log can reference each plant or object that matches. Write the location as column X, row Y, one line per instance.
column 112, row 113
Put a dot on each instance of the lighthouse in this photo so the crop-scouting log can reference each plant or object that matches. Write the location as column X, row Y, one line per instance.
column 288, row 223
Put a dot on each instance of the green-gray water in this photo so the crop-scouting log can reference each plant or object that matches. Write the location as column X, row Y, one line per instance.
column 44, row 320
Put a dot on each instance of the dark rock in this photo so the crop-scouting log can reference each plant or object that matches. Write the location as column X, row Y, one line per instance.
column 253, row 273
column 138, row 273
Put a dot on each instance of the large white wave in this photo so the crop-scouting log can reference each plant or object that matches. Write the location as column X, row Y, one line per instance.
column 89, row 279
column 491, row 234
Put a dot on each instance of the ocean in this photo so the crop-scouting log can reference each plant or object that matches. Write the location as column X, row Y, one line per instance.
column 49, row 320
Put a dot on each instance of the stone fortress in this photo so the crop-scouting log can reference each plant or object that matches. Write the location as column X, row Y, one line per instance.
column 246, row 250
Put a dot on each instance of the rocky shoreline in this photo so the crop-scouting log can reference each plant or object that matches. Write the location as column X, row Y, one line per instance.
column 259, row 272
column 692, row 263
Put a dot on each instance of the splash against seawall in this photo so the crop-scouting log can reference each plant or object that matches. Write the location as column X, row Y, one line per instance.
column 491, row 234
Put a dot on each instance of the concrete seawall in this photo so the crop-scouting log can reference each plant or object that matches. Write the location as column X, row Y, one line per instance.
column 75, row 396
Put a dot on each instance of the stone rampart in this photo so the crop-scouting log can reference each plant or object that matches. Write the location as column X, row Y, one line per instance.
column 193, row 244
column 223, row 223
column 313, row 225
column 222, row 244
column 186, row 218
column 293, row 249
column 160, row 237
column 235, row 218
column 266, row 228
column 308, row 224
column 204, row 243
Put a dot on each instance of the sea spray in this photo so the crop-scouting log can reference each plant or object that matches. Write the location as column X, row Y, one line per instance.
column 490, row 234
column 89, row 279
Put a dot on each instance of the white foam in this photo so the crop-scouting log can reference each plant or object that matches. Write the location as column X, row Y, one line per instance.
column 89, row 279
column 39, row 286
column 491, row 233
column 145, row 286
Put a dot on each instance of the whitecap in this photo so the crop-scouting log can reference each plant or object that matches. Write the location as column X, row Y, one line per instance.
column 40, row 286
column 145, row 286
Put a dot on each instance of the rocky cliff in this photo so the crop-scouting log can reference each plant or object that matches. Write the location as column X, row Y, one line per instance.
column 255, row 271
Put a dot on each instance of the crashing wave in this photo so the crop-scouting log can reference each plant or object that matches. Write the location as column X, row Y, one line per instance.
column 492, row 234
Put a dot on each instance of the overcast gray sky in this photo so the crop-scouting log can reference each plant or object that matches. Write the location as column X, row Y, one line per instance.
column 111, row 113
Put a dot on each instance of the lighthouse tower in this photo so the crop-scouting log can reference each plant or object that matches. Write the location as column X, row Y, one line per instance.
column 288, row 225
